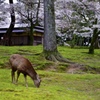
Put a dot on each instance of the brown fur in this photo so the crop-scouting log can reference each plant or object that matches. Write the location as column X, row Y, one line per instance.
column 22, row 65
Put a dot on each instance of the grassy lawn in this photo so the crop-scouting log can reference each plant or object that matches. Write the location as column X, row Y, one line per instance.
column 55, row 85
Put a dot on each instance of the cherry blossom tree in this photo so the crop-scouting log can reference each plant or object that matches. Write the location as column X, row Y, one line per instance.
column 2, row 14
column 6, row 10
column 28, row 10
column 76, row 15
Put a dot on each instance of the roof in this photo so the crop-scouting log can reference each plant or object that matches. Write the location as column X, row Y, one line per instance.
column 21, row 30
column 39, row 30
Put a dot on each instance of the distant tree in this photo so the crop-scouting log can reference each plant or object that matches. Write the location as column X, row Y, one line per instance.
column 96, row 32
column 50, row 43
column 77, row 15
column 28, row 11
column 11, row 27
column 2, row 17
column 74, row 14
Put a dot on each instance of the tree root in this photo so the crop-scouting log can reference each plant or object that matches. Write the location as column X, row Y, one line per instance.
column 57, row 58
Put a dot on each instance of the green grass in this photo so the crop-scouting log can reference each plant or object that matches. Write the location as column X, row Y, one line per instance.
column 81, row 56
column 55, row 85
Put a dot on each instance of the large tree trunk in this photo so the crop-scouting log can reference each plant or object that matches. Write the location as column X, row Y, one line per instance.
column 50, row 43
column 11, row 27
column 49, row 26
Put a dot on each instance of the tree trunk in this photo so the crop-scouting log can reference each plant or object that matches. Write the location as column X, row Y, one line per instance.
column 31, row 38
column 11, row 27
column 31, row 34
column 50, row 43
column 96, row 44
column 91, row 48
column 49, row 26
column 94, row 38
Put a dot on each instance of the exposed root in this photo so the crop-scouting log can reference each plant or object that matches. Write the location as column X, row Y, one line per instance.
column 57, row 58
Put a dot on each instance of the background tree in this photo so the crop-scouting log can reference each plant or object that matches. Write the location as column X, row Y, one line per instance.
column 3, row 13
column 78, row 15
column 28, row 11
column 96, row 32
column 11, row 27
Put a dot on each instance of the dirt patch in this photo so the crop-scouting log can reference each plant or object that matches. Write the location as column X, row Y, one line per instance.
column 69, row 68
column 80, row 69
column 75, row 68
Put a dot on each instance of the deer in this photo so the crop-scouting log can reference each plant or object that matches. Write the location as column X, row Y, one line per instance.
column 22, row 65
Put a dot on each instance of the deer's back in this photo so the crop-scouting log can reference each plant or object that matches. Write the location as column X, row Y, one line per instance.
column 20, row 63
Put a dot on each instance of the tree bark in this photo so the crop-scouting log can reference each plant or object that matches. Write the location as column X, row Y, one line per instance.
column 91, row 48
column 94, row 38
column 11, row 27
column 32, row 25
column 50, row 43
column 31, row 37
column 49, row 26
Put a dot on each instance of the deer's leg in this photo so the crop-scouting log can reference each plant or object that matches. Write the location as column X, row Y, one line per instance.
column 25, row 76
column 18, row 73
column 13, row 76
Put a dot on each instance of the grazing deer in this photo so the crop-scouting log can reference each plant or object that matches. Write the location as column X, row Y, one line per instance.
column 22, row 65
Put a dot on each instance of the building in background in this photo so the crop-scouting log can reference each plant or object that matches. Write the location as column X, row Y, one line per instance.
column 20, row 36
